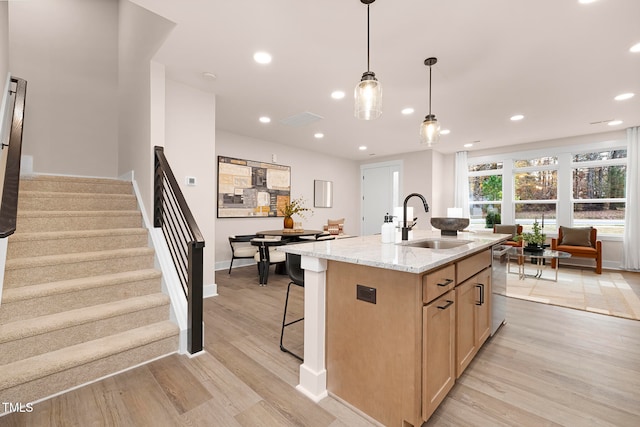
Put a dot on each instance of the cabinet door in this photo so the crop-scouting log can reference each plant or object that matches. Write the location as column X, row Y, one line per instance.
column 473, row 317
column 466, row 298
column 483, row 306
column 438, row 341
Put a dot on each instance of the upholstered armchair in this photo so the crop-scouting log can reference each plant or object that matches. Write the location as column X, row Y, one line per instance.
column 579, row 242
column 513, row 230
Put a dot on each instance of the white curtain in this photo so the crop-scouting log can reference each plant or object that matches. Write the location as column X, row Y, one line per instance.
column 461, row 191
column 631, row 244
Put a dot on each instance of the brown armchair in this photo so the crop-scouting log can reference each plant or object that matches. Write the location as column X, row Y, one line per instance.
column 579, row 242
column 514, row 230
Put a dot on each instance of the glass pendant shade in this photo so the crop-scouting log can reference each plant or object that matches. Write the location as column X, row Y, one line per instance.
column 368, row 97
column 430, row 131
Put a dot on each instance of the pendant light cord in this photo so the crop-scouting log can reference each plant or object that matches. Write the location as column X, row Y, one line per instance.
column 429, row 89
column 368, row 69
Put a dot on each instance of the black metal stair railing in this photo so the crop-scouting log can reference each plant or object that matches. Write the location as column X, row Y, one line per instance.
column 9, row 204
column 172, row 214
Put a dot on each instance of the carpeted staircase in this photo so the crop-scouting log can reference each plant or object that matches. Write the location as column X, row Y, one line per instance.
column 81, row 297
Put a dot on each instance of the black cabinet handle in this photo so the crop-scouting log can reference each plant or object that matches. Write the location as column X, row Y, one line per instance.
column 446, row 282
column 481, row 286
column 444, row 307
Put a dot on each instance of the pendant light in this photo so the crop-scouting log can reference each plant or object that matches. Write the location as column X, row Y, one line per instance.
column 368, row 93
column 430, row 128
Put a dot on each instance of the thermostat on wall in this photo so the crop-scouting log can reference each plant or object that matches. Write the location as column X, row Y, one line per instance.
column 190, row 180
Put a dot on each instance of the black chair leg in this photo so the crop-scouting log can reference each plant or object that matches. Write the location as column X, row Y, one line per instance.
column 285, row 324
column 231, row 265
column 265, row 274
column 260, row 265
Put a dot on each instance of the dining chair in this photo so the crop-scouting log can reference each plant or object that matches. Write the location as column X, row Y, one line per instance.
column 241, row 247
column 325, row 235
column 296, row 274
column 267, row 255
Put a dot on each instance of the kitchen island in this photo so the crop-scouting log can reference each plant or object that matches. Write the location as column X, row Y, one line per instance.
column 389, row 327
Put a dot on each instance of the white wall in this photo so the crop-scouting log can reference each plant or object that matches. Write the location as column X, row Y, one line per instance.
column 141, row 34
column 443, row 178
column 306, row 166
column 67, row 52
column 190, row 142
column 4, row 42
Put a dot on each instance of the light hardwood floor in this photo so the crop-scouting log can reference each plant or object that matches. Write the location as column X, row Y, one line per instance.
column 548, row 366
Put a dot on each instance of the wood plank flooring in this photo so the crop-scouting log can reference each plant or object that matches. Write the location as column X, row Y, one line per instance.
column 548, row 366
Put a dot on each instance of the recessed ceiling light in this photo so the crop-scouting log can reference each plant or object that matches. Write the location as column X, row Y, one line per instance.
column 318, row 135
column 624, row 96
column 362, row 147
column 262, row 57
column 586, row 1
column 407, row 111
column 635, row 48
column 265, row 119
column 445, row 132
column 468, row 145
column 615, row 122
column 337, row 94
column 517, row 117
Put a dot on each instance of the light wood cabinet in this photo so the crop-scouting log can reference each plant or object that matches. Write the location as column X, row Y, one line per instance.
column 473, row 317
column 439, row 343
column 391, row 336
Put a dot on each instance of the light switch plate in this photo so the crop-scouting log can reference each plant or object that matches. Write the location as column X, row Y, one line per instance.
column 190, row 180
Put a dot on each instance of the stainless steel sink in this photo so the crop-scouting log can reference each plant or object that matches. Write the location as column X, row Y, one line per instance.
column 438, row 243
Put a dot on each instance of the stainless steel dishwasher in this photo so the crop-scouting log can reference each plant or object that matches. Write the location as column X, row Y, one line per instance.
column 499, row 286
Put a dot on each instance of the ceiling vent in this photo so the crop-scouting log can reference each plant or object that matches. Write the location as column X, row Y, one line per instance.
column 301, row 119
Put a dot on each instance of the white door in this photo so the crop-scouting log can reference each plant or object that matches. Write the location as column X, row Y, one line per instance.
column 380, row 193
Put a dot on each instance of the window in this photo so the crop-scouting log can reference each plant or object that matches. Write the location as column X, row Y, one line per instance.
column 535, row 192
column 598, row 190
column 485, row 188
column 566, row 185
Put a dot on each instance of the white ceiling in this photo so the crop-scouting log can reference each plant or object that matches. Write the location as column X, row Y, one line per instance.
column 558, row 62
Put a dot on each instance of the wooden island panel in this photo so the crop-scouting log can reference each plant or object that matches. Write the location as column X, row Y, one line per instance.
column 374, row 351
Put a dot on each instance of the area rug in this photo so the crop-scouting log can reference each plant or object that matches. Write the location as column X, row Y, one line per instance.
column 607, row 293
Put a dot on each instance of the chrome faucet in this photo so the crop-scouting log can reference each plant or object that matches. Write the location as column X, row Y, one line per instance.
column 405, row 228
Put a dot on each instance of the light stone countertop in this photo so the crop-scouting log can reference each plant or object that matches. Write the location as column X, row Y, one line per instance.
column 369, row 250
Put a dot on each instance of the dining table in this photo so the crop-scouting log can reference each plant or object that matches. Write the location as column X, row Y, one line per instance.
column 291, row 235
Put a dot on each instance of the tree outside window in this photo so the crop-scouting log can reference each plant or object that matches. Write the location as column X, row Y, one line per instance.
column 485, row 188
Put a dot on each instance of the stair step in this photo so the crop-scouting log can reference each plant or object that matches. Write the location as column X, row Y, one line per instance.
column 59, row 201
column 60, row 242
column 26, row 302
column 51, row 268
column 33, row 221
column 40, row 376
column 72, row 184
column 27, row 338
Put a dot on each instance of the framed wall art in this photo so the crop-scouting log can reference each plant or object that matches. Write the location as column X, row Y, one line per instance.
column 251, row 189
